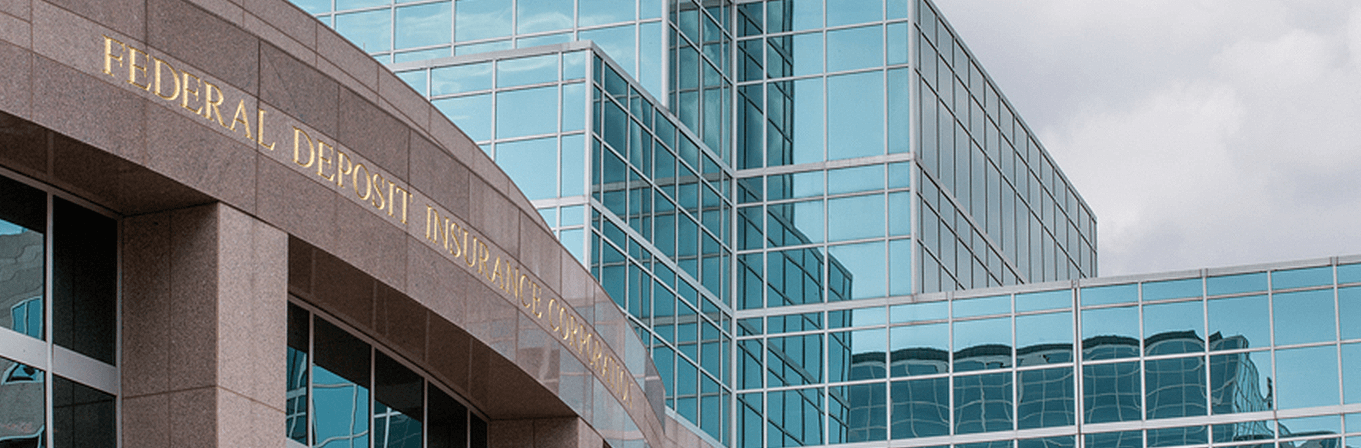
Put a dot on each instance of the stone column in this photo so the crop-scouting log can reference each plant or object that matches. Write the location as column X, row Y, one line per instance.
column 204, row 313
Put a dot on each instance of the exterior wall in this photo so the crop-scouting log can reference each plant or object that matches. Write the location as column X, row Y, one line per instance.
column 269, row 117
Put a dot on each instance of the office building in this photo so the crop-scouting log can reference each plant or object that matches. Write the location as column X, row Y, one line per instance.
column 782, row 223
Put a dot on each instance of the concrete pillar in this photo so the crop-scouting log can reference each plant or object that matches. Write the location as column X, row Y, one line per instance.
column 204, row 313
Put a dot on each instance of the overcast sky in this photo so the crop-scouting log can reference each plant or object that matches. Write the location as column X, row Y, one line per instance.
column 1202, row 133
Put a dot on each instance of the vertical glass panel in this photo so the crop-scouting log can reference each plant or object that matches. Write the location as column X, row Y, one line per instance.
column 1351, row 373
column 919, row 312
column 81, row 416
column 421, row 25
column 854, row 180
column 856, row 355
column 1306, row 377
column 533, row 16
column 1111, row 393
column 1348, row 273
column 1310, row 426
column 370, row 31
column 481, row 19
column 982, row 344
column 750, row 420
column 398, row 404
column 900, row 213
column 795, row 418
column 921, row 408
column 807, row 135
column 605, row 12
column 1240, row 382
column 1190, row 435
column 295, row 404
column 1172, row 328
column 573, row 107
column 24, row 419
column 460, row 78
column 1108, row 295
column 1175, row 387
column 749, row 364
column 982, row 306
column 794, row 223
column 1172, row 289
column 84, row 281
column 1303, row 317
column 919, row 349
column 1046, row 398
column 1234, row 284
column 858, row 413
column 573, row 169
column 1239, row 323
column 855, row 48
column 1044, row 339
column 862, row 317
column 1300, row 278
column 900, row 266
column 469, row 113
column 1123, row 439
column 525, row 71
column 340, row 388
column 448, row 421
column 1110, row 333
column 1349, row 312
column 1244, row 431
column 23, row 221
column 794, row 360
column 855, row 115
column 525, row 162
column 983, row 403
column 856, row 271
column 849, row 12
column 855, row 218
column 526, row 112
column 794, row 186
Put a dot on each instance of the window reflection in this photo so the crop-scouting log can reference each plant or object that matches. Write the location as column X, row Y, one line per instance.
column 1239, row 323
column 982, row 344
column 1046, row 398
column 1175, row 387
column 23, row 220
column 1240, row 382
column 920, row 349
column 23, row 418
column 858, row 413
column 921, row 408
column 340, row 392
column 983, row 403
column 1111, row 393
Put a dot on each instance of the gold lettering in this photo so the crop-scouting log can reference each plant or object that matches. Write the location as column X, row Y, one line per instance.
column 524, row 299
column 595, row 353
column 379, row 202
column 406, row 198
column 431, row 214
column 109, row 57
column 241, row 116
column 311, row 151
column 344, row 167
column 133, row 68
column 460, row 241
column 535, row 288
column 184, row 100
column 554, row 325
column 495, row 272
column 260, row 131
column 470, row 255
column 483, row 257
column 323, row 161
column 211, row 107
column 354, row 175
column 157, row 63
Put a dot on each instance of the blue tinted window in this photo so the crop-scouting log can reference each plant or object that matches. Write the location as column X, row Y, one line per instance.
column 460, row 78
column 983, row 403
column 1105, row 295
column 1044, row 300
column 855, row 48
column 1303, row 317
column 1171, row 328
column 1299, row 278
column 1233, row 284
column 855, row 115
column 1351, row 374
column 601, row 12
column 1046, row 398
column 982, row 306
column 524, row 161
column 794, row 360
column 1349, row 311
column 481, row 19
column 795, row 418
column 422, row 25
column 854, row 180
column 617, row 42
column 533, row 16
column 982, row 344
column 1110, row 333
column 1177, row 436
column 858, row 413
column 1348, row 273
column 1048, row 442
column 1176, row 387
column 1239, row 322
column 1124, row 439
column 469, row 113
column 1307, row 377
column 855, row 217
column 849, row 12
column 918, row 312
column 371, row 31
column 1111, row 393
column 1172, row 289
column 525, row 71
column 1044, row 339
column 857, row 355
column 919, row 349
column 900, row 266
column 526, row 112
column 857, row 267
column 921, row 408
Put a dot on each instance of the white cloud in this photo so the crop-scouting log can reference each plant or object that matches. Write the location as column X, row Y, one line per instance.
column 1203, row 133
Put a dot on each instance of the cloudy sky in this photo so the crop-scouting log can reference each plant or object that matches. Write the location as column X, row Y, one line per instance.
column 1202, row 133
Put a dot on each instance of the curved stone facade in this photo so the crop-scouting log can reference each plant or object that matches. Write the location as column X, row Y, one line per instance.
column 255, row 154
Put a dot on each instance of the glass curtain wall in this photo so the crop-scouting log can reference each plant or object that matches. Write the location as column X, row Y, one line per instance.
column 59, row 295
column 1242, row 357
